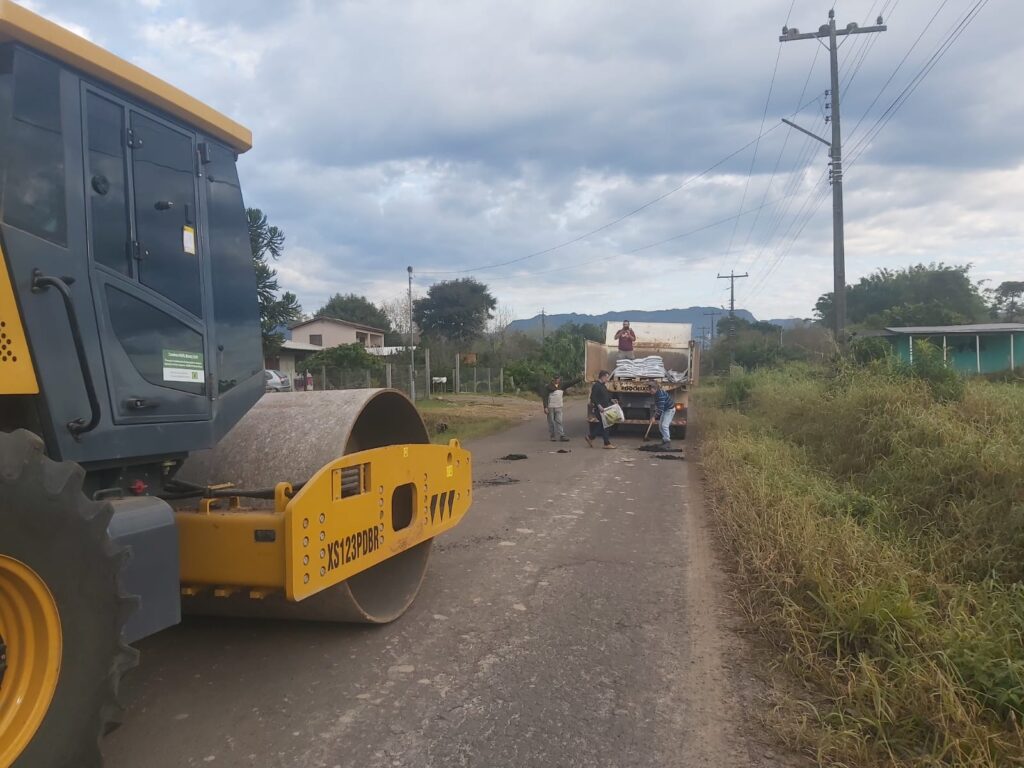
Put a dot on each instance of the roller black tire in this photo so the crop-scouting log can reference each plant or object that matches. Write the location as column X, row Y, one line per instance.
column 47, row 523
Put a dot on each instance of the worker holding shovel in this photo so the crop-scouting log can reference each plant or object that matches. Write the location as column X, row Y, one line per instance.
column 663, row 411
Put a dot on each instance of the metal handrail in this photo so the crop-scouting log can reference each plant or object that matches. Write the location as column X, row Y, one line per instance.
column 41, row 282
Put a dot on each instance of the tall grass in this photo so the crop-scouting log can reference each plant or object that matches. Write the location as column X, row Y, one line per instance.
column 879, row 533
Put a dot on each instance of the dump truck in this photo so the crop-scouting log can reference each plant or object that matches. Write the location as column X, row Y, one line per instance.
column 673, row 342
column 142, row 472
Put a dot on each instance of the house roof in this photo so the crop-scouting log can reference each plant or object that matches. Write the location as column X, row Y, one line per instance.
column 299, row 346
column 949, row 330
column 21, row 25
column 348, row 323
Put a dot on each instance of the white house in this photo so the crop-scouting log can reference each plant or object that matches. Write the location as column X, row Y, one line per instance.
column 311, row 336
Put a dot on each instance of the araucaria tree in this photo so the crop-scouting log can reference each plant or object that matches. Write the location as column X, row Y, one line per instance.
column 454, row 310
column 267, row 242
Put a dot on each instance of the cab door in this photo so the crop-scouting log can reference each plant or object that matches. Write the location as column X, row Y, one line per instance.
column 140, row 184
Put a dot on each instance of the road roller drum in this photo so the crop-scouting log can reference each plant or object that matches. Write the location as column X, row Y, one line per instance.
column 358, row 495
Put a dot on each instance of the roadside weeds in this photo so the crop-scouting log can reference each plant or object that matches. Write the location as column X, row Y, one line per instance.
column 909, row 657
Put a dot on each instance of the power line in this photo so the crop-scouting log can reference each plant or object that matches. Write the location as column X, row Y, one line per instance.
column 639, row 249
column 757, row 145
column 835, row 156
column 912, row 86
column 621, row 218
column 895, row 72
column 785, row 141
column 784, row 250
column 860, row 147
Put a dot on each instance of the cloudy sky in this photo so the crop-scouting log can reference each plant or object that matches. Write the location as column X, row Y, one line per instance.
column 455, row 135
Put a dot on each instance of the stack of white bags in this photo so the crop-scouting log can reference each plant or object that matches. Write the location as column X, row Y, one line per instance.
column 652, row 367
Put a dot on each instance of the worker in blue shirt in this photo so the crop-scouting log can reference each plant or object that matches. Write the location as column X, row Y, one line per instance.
column 663, row 412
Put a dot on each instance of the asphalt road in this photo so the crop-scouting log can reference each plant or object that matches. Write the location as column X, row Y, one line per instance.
column 577, row 617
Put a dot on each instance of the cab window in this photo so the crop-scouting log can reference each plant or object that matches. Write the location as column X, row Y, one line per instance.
column 34, row 196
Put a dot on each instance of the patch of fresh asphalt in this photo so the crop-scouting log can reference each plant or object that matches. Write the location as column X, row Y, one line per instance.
column 576, row 617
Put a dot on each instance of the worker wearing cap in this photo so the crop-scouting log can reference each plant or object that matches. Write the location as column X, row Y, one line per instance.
column 626, row 337
column 663, row 412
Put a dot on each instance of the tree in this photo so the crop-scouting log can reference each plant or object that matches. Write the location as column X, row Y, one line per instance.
column 355, row 309
column 587, row 331
column 349, row 357
column 932, row 294
column 397, row 311
column 454, row 310
column 267, row 242
column 1006, row 301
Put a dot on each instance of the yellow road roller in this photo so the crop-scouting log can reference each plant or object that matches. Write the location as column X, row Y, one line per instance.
column 142, row 472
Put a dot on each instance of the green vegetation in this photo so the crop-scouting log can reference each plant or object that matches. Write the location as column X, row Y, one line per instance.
column 464, row 418
column 761, row 344
column 267, row 243
column 877, row 516
column 355, row 309
column 562, row 352
column 346, row 357
column 924, row 294
column 454, row 310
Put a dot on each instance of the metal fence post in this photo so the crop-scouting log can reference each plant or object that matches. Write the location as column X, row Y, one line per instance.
column 501, row 380
column 458, row 375
column 387, row 374
column 323, row 377
column 475, row 369
column 489, row 392
column 428, row 380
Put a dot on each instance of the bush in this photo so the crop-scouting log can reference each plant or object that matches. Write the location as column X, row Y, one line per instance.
column 879, row 532
column 736, row 390
column 869, row 349
column 346, row 357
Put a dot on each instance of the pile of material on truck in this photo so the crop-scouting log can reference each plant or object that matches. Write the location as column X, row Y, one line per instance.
column 652, row 367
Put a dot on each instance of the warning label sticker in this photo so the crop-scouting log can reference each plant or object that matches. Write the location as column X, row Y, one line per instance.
column 183, row 366
column 188, row 240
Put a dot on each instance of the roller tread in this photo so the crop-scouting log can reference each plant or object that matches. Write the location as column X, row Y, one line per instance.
column 48, row 523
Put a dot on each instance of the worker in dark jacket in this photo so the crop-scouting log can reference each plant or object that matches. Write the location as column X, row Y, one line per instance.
column 600, row 399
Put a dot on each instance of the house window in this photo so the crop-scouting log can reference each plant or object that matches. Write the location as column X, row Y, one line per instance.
column 361, row 338
column 317, row 339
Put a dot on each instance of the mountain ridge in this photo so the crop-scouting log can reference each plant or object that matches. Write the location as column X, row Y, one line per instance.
column 694, row 315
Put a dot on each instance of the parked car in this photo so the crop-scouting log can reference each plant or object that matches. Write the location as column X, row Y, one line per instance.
column 277, row 381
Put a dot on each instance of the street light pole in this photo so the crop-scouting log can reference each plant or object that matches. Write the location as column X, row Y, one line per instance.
column 412, row 349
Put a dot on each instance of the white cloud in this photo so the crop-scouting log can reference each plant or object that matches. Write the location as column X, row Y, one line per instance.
column 466, row 133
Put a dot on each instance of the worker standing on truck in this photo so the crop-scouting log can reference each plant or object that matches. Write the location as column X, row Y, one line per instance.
column 600, row 399
column 626, row 337
column 553, row 395
column 663, row 412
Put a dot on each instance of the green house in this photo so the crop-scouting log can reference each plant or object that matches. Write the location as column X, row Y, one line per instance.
column 977, row 348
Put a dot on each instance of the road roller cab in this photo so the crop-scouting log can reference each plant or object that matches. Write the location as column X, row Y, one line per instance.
column 140, row 469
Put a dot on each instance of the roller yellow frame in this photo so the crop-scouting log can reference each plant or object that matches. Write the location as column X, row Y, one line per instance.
column 354, row 513
column 17, row 376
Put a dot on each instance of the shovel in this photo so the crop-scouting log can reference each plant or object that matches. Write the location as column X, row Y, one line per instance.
column 648, row 432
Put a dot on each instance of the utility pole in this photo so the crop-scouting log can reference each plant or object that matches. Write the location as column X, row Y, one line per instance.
column 703, row 336
column 712, row 314
column 412, row 349
column 835, row 155
column 732, row 277
column 543, row 329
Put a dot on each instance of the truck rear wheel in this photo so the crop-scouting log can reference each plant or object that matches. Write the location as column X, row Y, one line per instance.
column 60, row 612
